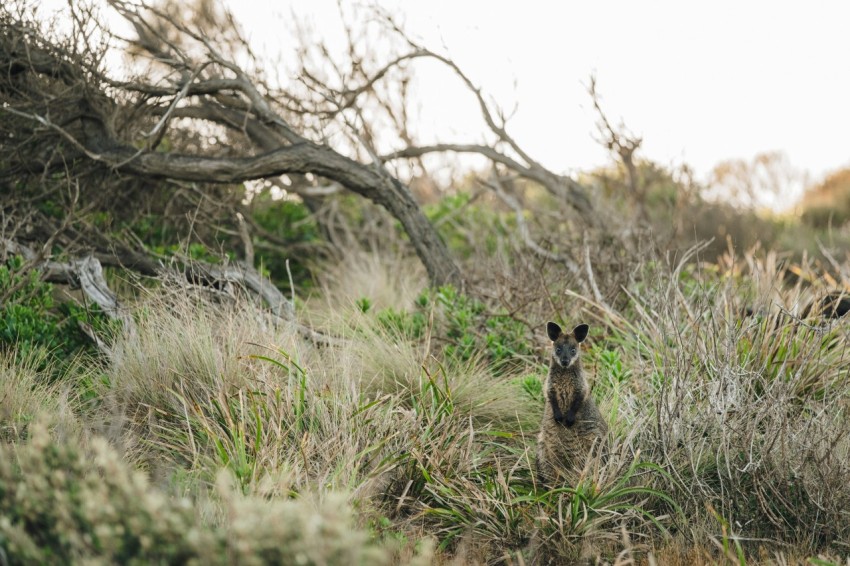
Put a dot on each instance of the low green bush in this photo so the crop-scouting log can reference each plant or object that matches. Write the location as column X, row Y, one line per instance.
column 61, row 503
column 291, row 223
column 465, row 325
column 469, row 228
column 31, row 320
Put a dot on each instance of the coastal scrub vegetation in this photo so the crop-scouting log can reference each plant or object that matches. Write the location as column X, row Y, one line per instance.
column 236, row 328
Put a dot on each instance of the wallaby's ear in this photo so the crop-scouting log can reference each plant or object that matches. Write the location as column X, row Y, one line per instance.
column 580, row 332
column 553, row 330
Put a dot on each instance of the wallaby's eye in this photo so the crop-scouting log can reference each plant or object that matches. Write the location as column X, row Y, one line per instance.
column 573, row 351
column 558, row 350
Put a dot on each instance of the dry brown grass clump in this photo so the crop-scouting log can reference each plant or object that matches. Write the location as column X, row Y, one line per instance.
column 748, row 414
column 28, row 388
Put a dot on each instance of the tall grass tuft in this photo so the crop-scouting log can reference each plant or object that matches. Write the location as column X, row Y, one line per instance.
column 747, row 414
column 29, row 388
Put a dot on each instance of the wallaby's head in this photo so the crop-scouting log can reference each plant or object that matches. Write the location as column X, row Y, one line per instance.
column 565, row 346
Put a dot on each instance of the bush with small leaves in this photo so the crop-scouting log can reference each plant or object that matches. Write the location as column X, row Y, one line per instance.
column 63, row 503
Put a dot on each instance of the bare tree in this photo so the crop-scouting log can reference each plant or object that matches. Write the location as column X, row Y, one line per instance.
column 624, row 146
column 68, row 116
column 769, row 178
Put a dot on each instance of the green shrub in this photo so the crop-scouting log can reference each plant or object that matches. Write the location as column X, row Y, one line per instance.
column 62, row 505
column 403, row 323
column 291, row 223
column 30, row 319
column 468, row 228
column 463, row 323
column 532, row 385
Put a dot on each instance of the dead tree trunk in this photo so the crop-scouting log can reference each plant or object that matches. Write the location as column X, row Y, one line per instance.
column 88, row 133
column 63, row 111
column 371, row 182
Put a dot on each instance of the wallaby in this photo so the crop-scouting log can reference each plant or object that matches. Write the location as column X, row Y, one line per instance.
column 834, row 304
column 572, row 425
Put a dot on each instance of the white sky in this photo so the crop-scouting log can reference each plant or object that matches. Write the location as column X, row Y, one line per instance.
column 701, row 82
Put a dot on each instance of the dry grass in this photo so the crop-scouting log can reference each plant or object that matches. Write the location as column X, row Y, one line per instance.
column 28, row 390
column 386, row 278
column 748, row 415
column 730, row 438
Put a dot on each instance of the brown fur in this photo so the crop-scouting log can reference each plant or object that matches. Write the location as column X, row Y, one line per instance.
column 572, row 425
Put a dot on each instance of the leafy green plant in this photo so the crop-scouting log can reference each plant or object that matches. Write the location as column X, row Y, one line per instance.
column 503, row 337
column 467, row 227
column 611, row 363
column 289, row 224
column 31, row 320
column 463, row 324
column 403, row 323
column 364, row 304
column 532, row 385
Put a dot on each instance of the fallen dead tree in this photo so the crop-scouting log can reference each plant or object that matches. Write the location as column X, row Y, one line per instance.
column 86, row 274
column 71, row 125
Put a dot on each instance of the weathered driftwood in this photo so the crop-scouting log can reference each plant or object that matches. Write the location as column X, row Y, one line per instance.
column 249, row 279
column 246, row 277
column 86, row 273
